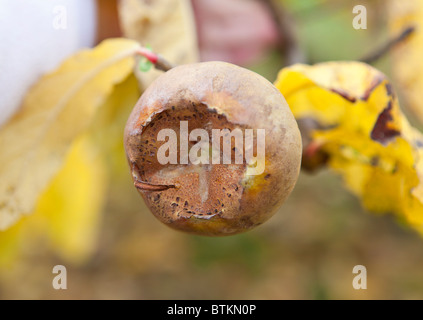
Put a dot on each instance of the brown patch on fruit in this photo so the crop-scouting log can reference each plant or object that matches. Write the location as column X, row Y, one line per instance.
column 199, row 186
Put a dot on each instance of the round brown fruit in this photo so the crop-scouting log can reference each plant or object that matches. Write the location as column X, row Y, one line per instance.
column 213, row 199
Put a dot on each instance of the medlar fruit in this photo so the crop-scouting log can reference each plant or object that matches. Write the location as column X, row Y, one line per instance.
column 214, row 148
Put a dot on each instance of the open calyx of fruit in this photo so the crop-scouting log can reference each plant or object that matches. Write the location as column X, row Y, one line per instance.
column 214, row 148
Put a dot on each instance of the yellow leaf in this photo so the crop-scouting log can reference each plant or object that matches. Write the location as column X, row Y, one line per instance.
column 68, row 213
column 168, row 26
column 72, row 203
column 359, row 126
column 9, row 245
column 108, row 126
column 407, row 59
column 57, row 109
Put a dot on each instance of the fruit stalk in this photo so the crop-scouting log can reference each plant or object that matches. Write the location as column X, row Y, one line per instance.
column 157, row 60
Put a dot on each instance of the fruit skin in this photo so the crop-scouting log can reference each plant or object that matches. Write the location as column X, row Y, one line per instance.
column 239, row 98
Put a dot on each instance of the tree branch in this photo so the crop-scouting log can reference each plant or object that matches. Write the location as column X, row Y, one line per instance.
column 379, row 53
